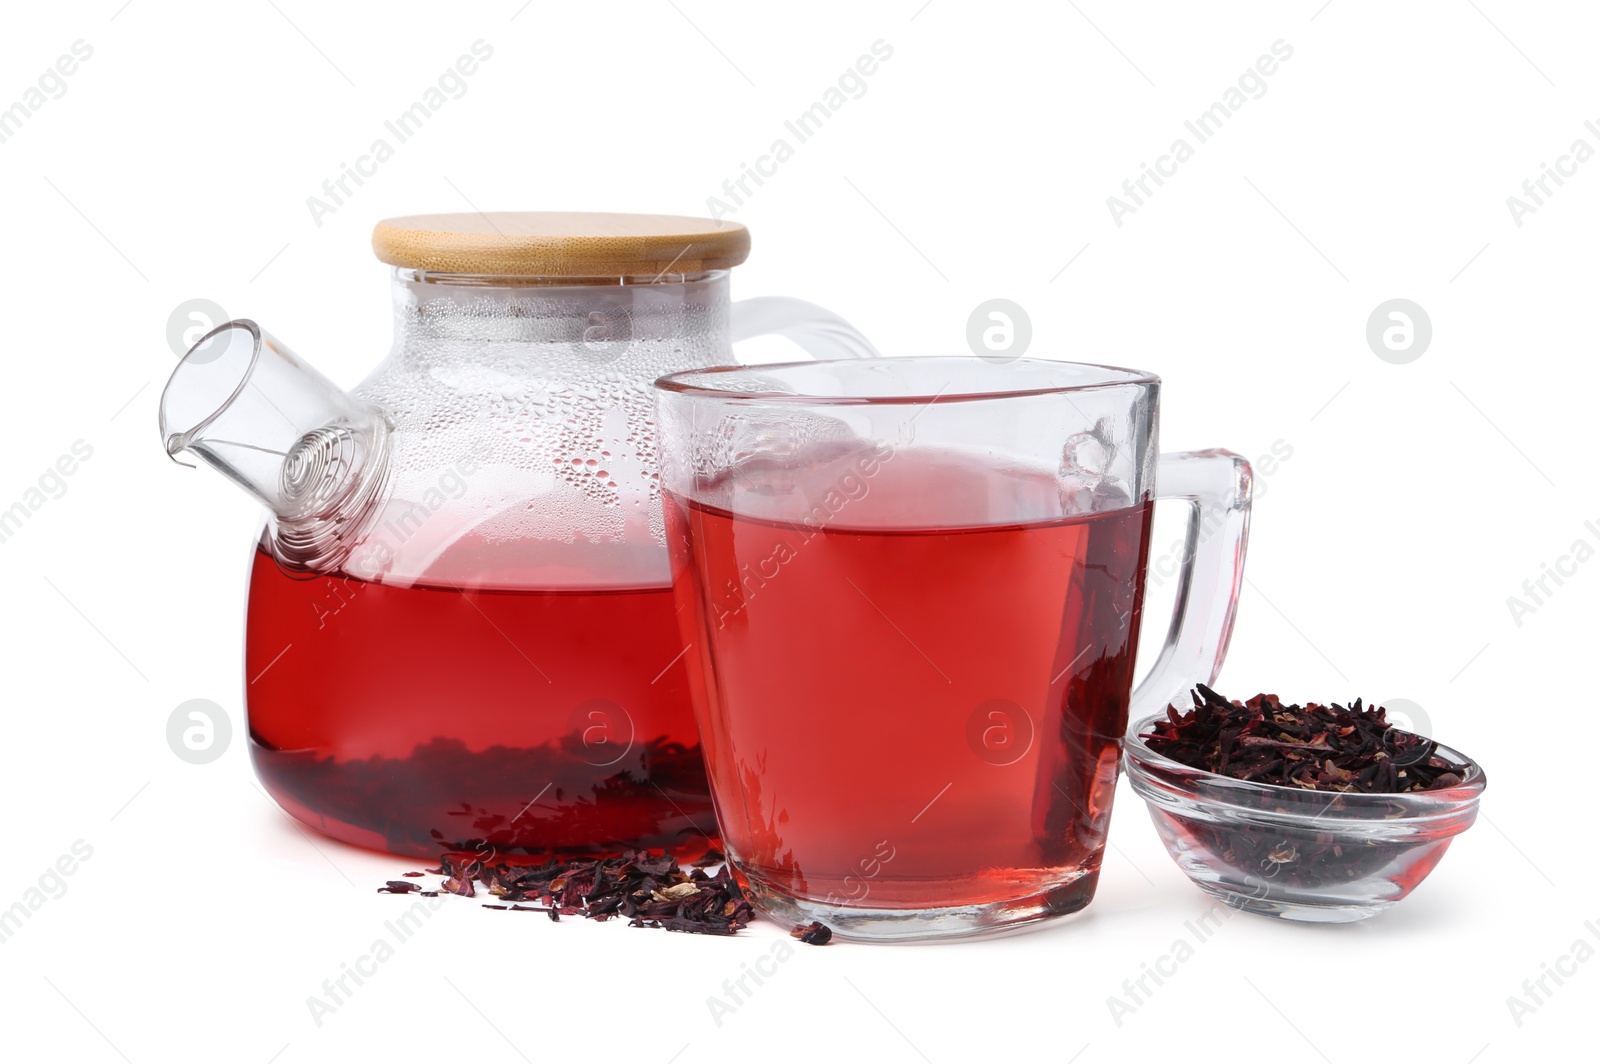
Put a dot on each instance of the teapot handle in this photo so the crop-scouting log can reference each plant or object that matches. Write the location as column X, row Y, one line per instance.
column 821, row 333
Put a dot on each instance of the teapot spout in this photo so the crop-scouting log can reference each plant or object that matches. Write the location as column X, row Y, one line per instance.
column 247, row 406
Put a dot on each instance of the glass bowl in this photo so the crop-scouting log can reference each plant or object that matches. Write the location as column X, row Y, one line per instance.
column 1297, row 854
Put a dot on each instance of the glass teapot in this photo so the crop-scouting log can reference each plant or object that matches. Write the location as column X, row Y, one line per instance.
column 461, row 632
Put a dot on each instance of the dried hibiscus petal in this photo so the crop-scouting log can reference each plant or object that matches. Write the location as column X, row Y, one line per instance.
column 647, row 887
column 1332, row 748
column 815, row 933
column 1315, row 747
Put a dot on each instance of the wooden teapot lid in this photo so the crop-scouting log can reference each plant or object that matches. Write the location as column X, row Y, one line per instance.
column 560, row 243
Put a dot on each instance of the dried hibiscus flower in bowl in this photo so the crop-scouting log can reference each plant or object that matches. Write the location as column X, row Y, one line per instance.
column 1315, row 813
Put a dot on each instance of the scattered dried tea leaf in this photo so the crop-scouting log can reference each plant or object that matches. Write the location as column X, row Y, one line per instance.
column 645, row 887
column 398, row 886
column 676, row 891
column 815, row 933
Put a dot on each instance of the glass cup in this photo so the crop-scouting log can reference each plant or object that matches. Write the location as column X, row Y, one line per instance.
column 911, row 589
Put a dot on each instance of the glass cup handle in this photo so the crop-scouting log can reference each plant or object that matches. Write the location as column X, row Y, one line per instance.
column 1216, row 485
column 821, row 333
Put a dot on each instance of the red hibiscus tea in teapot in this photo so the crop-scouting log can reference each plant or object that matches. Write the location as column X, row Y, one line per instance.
column 460, row 630
column 415, row 719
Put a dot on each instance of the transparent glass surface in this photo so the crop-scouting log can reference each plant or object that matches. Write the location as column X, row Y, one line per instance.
column 911, row 591
column 461, row 631
column 1302, row 855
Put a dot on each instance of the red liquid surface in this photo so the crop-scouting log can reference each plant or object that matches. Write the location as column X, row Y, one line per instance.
column 418, row 719
column 918, row 718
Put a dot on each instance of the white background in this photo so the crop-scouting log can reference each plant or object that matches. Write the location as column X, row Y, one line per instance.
column 977, row 165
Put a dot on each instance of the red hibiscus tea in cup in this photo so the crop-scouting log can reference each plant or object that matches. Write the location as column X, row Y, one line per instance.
column 911, row 590
column 917, row 715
